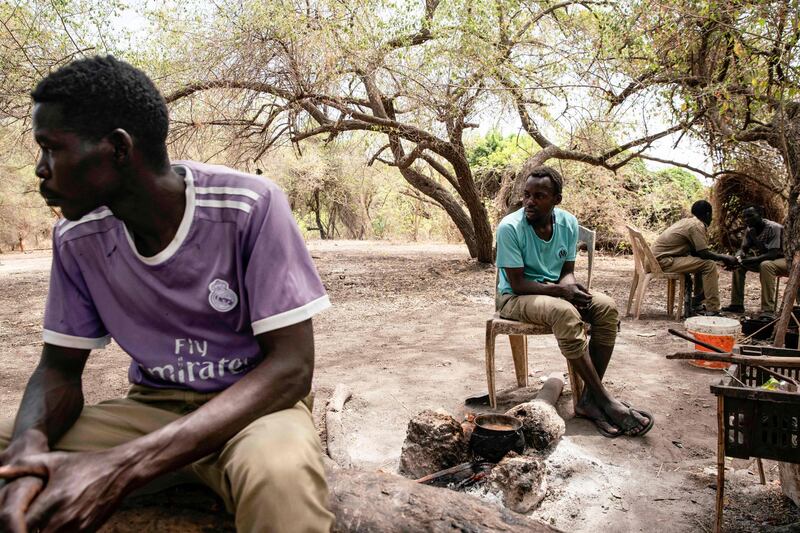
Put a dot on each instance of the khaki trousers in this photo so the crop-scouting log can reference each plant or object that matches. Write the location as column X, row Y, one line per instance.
column 565, row 319
column 269, row 475
column 768, row 273
column 705, row 267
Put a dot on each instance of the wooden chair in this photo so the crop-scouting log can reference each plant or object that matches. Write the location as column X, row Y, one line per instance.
column 518, row 335
column 647, row 269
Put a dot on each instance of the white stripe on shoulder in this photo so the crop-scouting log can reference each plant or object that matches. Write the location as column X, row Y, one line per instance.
column 292, row 316
column 88, row 218
column 231, row 204
column 234, row 191
column 71, row 341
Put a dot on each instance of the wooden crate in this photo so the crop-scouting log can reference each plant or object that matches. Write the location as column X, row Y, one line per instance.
column 753, row 422
column 759, row 422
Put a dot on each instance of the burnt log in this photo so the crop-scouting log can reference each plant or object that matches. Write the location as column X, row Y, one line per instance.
column 334, row 428
column 374, row 501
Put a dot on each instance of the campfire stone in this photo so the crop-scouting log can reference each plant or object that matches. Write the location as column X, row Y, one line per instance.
column 434, row 441
column 541, row 424
column 521, row 480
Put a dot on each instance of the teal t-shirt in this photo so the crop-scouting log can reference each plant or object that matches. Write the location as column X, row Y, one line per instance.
column 519, row 246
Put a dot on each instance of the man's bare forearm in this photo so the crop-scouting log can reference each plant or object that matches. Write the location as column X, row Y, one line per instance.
column 567, row 278
column 770, row 255
column 713, row 256
column 527, row 286
column 53, row 398
column 754, row 260
column 279, row 382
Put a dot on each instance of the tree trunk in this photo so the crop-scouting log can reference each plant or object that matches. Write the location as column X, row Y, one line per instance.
column 374, row 501
column 441, row 196
column 484, row 238
column 789, row 294
column 318, row 216
column 456, row 213
column 787, row 141
column 788, row 145
column 361, row 502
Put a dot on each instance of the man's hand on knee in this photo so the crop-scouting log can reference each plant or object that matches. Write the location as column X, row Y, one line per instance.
column 15, row 500
column 576, row 294
column 79, row 492
column 16, row 495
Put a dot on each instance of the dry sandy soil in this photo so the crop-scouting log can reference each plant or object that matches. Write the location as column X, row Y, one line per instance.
column 406, row 333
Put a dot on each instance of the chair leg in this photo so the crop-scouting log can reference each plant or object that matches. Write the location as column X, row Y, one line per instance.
column 634, row 286
column 576, row 383
column 720, row 503
column 670, row 296
column 490, row 338
column 681, row 297
column 519, row 351
column 641, row 292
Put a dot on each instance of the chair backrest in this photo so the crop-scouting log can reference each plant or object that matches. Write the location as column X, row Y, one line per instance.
column 643, row 256
column 585, row 235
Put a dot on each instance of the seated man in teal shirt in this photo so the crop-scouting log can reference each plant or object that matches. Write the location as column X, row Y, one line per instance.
column 536, row 257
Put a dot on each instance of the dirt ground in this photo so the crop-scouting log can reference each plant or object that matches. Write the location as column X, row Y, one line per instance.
column 406, row 333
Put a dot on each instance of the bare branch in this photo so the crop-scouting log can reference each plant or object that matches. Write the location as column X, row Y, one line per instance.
column 422, row 35
column 376, row 155
column 716, row 175
column 438, row 167
column 412, row 156
column 648, row 139
column 551, row 9
column 229, row 84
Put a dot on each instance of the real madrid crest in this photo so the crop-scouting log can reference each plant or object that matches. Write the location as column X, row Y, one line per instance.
column 221, row 297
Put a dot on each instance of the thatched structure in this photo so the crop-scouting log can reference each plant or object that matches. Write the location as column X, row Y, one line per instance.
column 760, row 179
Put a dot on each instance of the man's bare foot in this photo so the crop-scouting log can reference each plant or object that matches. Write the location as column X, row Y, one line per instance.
column 587, row 409
column 627, row 419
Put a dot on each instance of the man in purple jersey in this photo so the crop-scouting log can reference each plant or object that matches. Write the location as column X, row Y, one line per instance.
column 200, row 274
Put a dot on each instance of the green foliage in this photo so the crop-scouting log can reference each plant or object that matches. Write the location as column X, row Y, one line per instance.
column 24, row 218
column 649, row 200
column 684, row 180
column 330, row 186
column 474, row 53
column 665, row 197
column 603, row 200
column 495, row 151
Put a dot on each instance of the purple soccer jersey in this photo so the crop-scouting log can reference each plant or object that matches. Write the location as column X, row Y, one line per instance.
column 188, row 315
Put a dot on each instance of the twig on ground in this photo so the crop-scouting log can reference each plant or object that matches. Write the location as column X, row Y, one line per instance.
column 401, row 403
column 337, row 447
column 702, row 526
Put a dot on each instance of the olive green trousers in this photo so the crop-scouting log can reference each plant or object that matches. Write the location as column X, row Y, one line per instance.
column 768, row 272
column 566, row 321
column 270, row 474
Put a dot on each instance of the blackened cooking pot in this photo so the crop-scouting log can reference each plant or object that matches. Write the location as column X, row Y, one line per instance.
column 496, row 435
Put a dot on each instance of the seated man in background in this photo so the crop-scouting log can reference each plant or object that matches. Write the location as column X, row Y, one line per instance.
column 200, row 274
column 761, row 251
column 536, row 247
column 683, row 249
